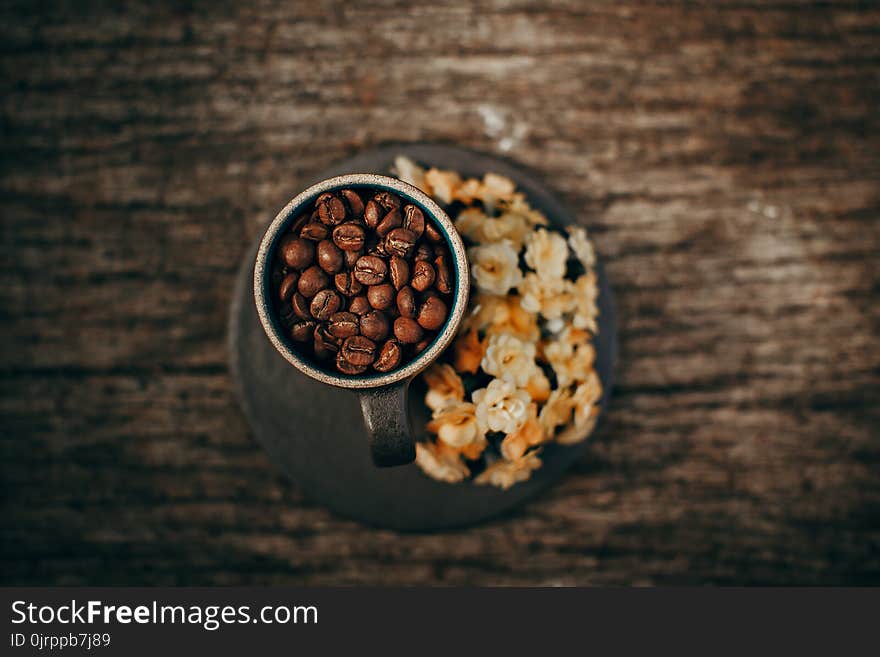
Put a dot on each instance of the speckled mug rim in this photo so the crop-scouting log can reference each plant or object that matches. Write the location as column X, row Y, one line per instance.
column 262, row 295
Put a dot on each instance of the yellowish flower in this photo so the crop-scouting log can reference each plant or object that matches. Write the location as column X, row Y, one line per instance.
column 444, row 386
column 504, row 473
column 480, row 228
column 495, row 267
column 586, row 311
column 581, row 246
column 441, row 462
column 510, row 359
column 519, row 206
column 501, row 406
column 556, row 411
column 468, row 350
column 531, row 433
column 571, row 355
column 408, row 171
column 550, row 297
column 456, row 425
column 585, row 398
column 546, row 253
column 503, row 314
column 538, row 386
column 442, row 185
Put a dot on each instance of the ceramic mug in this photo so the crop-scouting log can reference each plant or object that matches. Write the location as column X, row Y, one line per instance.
column 383, row 397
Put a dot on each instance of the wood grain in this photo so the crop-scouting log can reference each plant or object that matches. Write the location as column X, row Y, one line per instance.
column 724, row 155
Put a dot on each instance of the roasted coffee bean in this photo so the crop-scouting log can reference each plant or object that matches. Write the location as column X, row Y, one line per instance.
column 432, row 232
column 399, row 269
column 443, row 281
column 355, row 204
column 370, row 270
column 360, row 305
column 381, row 296
column 331, row 209
column 391, row 221
column 423, row 252
column 414, row 220
column 314, row 231
column 288, row 286
column 324, row 345
column 378, row 249
column 374, row 325
column 322, row 334
column 407, row 330
column 432, row 314
column 348, row 368
column 349, row 237
column 400, row 242
column 312, row 281
column 423, row 276
column 387, row 200
column 422, row 344
column 343, row 325
column 359, row 351
column 389, row 357
column 302, row 331
column 329, row 256
column 325, row 303
column 301, row 306
column 298, row 253
column 351, row 257
column 346, row 283
column 287, row 315
column 406, row 302
column 373, row 213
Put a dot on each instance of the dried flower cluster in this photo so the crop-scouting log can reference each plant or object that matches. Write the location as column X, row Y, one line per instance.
column 521, row 368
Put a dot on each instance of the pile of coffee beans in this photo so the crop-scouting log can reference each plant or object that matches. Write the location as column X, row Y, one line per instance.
column 363, row 284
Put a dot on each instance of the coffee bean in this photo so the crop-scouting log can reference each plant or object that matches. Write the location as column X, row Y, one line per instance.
column 414, row 220
column 297, row 225
column 349, row 237
column 348, row 368
column 374, row 325
column 422, row 344
column 287, row 315
column 360, row 305
column 370, row 270
column 432, row 314
column 407, row 330
column 391, row 221
column 389, row 357
column 381, row 296
column 406, row 302
column 323, row 335
column 423, row 276
column 324, row 345
column 298, row 253
column 355, row 204
column 314, row 231
column 432, row 232
column 423, row 252
column 331, row 209
column 302, row 331
column 301, row 306
column 351, row 257
column 443, row 280
column 325, row 303
column 329, row 256
column 343, row 325
column 399, row 269
column 387, row 200
column 400, row 242
column 312, row 281
column 359, row 351
column 373, row 214
column 288, row 286
column 346, row 283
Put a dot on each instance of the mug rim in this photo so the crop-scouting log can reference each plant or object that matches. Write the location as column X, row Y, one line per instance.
column 263, row 263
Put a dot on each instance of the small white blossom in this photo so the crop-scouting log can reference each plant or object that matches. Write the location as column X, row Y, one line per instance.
column 495, row 267
column 581, row 246
column 550, row 297
column 510, row 359
column 504, row 473
column 441, row 462
column 501, row 406
column 547, row 253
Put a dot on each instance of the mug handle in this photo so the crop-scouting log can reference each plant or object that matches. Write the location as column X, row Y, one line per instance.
column 387, row 420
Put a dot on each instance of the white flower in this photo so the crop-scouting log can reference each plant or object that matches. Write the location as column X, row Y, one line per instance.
column 510, row 359
column 586, row 311
column 408, row 171
column 444, row 386
column 585, row 397
column 581, row 246
column 546, row 253
column 571, row 355
column 501, row 406
column 495, row 267
column 442, row 184
column 550, row 297
column 556, row 411
column 480, row 228
column 457, row 425
column 441, row 462
column 504, row 473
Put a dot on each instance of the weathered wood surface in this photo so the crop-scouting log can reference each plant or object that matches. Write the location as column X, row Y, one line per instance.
column 725, row 156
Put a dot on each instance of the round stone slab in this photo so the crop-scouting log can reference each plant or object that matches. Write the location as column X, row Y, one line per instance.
column 315, row 433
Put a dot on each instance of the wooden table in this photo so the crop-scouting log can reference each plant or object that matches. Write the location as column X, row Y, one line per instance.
column 724, row 156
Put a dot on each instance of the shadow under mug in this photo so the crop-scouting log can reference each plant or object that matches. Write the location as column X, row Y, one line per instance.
column 383, row 397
